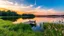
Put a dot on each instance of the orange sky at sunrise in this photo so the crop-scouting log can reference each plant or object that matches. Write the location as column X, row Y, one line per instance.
column 21, row 8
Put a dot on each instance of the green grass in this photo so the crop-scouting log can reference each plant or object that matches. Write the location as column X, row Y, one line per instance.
column 53, row 29
column 3, row 22
column 7, row 28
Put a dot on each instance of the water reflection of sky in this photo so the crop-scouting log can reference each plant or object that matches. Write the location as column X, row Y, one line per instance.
column 39, row 20
column 37, row 28
column 44, row 19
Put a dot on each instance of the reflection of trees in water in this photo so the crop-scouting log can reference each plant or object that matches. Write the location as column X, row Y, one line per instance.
column 12, row 16
column 9, row 15
column 27, row 16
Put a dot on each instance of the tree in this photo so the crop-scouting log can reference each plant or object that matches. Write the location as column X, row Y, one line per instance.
column 27, row 16
column 9, row 15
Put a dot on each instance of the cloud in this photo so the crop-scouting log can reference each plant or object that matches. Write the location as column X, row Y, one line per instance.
column 14, row 6
column 27, row 8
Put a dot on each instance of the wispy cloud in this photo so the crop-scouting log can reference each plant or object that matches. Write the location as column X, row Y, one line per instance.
column 27, row 8
column 14, row 6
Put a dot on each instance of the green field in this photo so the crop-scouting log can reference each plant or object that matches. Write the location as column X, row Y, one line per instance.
column 7, row 28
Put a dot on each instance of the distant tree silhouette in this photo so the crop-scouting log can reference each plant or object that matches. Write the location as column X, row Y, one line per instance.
column 9, row 15
column 27, row 16
column 12, row 15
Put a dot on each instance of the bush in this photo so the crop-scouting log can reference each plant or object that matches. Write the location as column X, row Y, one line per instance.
column 21, row 26
column 9, row 29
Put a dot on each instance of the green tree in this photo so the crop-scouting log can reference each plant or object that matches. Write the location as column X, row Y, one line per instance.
column 9, row 15
column 28, row 16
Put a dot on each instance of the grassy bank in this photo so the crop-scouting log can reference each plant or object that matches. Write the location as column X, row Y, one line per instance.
column 53, row 29
column 7, row 28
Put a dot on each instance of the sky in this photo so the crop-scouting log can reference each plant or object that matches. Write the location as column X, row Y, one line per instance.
column 43, row 6
column 55, row 4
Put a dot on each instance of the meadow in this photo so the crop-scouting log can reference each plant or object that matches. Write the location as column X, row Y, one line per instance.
column 7, row 28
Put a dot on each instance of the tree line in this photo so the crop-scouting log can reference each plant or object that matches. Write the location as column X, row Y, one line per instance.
column 12, row 15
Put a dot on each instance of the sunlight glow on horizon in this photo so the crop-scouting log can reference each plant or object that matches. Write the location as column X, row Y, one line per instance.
column 28, row 8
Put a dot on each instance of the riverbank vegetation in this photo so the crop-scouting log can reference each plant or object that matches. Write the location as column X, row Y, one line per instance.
column 7, row 28
column 13, row 16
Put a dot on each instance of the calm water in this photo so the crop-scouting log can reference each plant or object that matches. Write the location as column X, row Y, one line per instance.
column 41, row 19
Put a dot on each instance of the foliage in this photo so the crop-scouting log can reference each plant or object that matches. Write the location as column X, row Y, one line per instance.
column 52, row 29
column 7, row 28
column 12, row 16
column 27, row 16
column 9, row 15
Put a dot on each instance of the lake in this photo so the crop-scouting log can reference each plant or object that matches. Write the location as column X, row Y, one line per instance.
column 41, row 19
